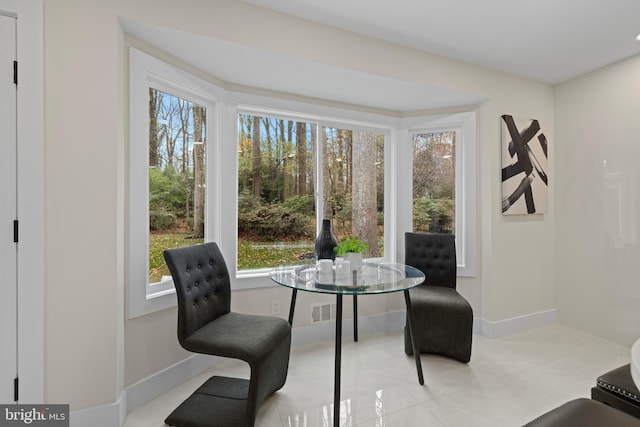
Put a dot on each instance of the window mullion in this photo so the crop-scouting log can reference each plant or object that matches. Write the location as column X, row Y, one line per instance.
column 319, row 176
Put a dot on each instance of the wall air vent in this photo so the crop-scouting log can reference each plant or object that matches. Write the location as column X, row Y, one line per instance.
column 323, row 312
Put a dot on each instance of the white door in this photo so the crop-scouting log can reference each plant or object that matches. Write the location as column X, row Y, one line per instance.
column 8, row 246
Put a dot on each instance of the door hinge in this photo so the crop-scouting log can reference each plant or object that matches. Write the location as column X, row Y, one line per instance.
column 15, row 231
column 15, row 389
column 15, row 72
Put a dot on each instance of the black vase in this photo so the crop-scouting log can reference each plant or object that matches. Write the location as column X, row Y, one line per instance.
column 326, row 242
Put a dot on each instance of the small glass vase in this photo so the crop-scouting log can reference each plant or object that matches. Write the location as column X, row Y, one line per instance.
column 326, row 242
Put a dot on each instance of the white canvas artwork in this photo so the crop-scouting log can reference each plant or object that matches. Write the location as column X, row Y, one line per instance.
column 524, row 165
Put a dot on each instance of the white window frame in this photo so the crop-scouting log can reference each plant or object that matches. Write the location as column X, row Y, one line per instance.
column 464, row 124
column 147, row 71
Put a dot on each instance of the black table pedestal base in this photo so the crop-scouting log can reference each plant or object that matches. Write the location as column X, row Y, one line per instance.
column 338, row 345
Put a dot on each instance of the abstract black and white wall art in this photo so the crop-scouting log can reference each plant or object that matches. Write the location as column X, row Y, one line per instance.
column 524, row 167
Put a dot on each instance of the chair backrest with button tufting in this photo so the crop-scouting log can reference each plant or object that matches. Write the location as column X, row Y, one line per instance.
column 202, row 284
column 435, row 255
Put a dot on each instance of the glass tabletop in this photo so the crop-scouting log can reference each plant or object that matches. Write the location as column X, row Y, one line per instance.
column 370, row 278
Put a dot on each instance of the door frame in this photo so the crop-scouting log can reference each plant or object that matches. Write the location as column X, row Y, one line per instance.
column 30, row 191
column 8, row 181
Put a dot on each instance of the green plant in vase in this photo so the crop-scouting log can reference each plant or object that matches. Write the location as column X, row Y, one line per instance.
column 352, row 249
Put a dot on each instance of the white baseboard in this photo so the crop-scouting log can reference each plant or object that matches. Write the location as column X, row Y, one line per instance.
column 110, row 415
column 142, row 392
column 146, row 390
column 513, row 325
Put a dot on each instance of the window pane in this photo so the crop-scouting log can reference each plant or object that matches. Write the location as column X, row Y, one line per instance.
column 276, row 204
column 177, row 140
column 353, row 182
column 434, row 181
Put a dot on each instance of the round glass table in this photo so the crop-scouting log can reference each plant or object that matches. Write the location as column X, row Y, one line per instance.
column 369, row 279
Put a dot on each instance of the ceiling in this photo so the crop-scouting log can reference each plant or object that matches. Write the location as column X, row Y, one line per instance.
column 232, row 65
column 545, row 40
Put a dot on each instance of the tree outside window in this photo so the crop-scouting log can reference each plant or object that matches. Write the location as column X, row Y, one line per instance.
column 353, row 197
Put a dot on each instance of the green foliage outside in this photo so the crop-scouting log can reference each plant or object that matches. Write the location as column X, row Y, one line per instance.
column 263, row 225
column 291, row 221
column 277, row 182
column 279, row 226
column 272, row 221
column 300, row 204
column 433, row 215
column 167, row 223
column 157, row 244
column 160, row 219
column 167, row 198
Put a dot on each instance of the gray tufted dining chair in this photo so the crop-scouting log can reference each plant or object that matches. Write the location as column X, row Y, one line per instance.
column 443, row 319
column 206, row 325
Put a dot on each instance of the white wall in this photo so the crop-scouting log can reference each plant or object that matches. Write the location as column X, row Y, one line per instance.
column 597, row 198
column 86, row 114
column 83, row 204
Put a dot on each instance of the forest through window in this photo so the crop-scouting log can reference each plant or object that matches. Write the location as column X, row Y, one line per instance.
column 282, row 165
column 177, row 171
column 434, row 181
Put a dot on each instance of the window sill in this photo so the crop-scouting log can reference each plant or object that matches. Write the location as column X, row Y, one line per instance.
column 141, row 305
column 146, row 304
column 252, row 279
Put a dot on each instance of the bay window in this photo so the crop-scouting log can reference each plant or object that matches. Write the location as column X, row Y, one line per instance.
column 259, row 174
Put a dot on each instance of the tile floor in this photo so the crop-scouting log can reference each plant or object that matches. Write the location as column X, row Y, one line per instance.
column 509, row 381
